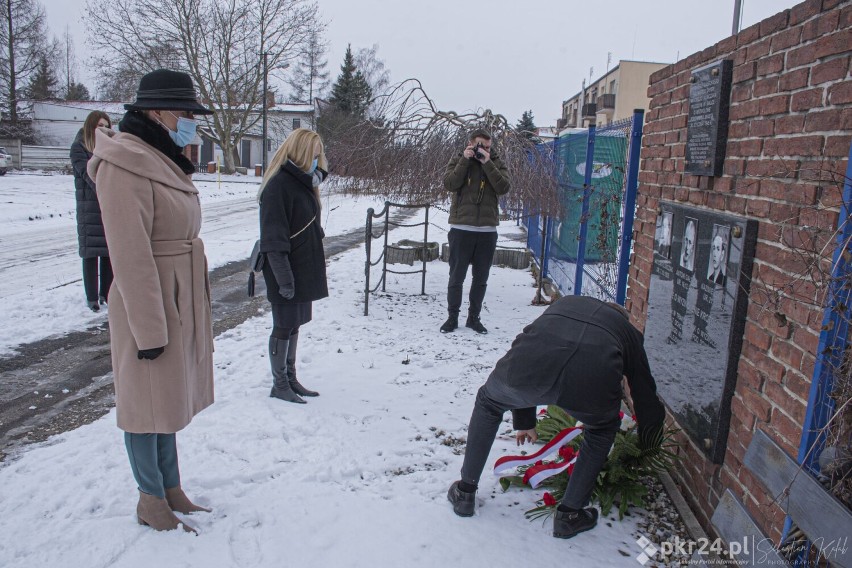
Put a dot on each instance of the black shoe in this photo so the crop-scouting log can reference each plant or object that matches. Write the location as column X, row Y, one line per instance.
column 566, row 525
column 93, row 306
column 463, row 501
column 300, row 389
column 475, row 324
column 102, row 300
column 286, row 394
column 450, row 325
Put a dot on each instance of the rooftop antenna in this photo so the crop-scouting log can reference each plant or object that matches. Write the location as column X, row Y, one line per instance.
column 608, row 60
column 633, row 52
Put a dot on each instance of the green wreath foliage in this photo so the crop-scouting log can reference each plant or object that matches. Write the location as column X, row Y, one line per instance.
column 620, row 480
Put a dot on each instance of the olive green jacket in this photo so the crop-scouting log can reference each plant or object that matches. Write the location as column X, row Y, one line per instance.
column 475, row 189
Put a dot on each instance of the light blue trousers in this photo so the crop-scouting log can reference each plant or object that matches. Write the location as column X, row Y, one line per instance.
column 154, row 461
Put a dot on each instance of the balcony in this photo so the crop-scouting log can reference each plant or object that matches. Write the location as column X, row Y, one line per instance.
column 590, row 110
column 606, row 104
column 561, row 123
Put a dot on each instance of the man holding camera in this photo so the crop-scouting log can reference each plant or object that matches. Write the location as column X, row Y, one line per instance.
column 476, row 178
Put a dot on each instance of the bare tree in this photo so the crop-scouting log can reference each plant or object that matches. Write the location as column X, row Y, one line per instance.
column 64, row 62
column 404, row 155
column 373, row 69
column 309, row 78
column 220, row 44
column 23, row 30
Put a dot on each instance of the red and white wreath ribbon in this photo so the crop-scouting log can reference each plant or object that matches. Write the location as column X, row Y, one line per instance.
column 511, row 462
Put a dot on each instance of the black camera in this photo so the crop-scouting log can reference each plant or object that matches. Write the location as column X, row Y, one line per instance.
column 476, row 153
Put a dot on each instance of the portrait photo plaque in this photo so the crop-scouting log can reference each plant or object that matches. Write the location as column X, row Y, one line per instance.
column 697, row 305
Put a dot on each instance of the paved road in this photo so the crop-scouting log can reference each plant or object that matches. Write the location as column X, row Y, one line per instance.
column 55, row 385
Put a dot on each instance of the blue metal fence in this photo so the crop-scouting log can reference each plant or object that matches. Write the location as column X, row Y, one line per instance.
column 587, row 247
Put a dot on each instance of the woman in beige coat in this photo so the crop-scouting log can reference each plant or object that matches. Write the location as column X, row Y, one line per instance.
column 159, row 318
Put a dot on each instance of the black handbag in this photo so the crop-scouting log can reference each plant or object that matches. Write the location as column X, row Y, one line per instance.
column 256, row 261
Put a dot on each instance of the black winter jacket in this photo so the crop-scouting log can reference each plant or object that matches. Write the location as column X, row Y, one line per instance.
column 574, row 355
column 90, row 229
column 290, row 224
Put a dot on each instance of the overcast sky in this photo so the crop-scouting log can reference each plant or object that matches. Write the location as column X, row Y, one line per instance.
column 506, row 55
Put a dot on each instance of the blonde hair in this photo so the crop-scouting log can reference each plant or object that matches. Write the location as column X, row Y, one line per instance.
column 89, row 127
column 300, row 148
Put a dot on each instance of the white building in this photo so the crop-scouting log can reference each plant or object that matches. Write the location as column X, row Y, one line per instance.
column 56, row 123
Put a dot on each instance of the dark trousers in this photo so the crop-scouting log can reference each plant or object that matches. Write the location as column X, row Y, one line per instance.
column 90, row 277
column 154, row 461
column 469, row 248
column 598, row 437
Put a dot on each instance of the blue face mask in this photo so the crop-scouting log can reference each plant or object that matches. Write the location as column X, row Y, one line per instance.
column 185, row 134
column 313, row 166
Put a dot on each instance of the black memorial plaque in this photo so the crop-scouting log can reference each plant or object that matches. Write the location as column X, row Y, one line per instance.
column 707, row 126
column 697, row 305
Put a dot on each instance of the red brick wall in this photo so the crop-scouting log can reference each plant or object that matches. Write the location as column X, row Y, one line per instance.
column 790, row 127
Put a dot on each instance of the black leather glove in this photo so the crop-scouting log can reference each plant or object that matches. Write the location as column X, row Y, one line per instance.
column 280, row 264
column 287, row 289
column 150, row 354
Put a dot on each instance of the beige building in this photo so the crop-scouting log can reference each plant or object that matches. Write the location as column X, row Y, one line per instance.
column 611, row 97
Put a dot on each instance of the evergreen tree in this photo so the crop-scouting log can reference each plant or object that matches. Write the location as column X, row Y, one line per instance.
column 77, row 92
column 42, row 85
column 526, row 126
column 351, row 94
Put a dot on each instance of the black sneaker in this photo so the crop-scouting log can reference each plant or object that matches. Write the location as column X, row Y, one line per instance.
column 450, row 325
column 463, row 502
column 475, row 324
column 566, row 525
column 93, row 306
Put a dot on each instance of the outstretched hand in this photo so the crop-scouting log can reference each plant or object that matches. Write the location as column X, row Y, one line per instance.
column 522, row 436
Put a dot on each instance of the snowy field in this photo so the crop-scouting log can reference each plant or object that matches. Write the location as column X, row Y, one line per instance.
column 41, row 284
column 356, row 477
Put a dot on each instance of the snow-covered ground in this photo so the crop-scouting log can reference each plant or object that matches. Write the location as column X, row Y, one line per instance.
column 356, row 477
column 41, row 284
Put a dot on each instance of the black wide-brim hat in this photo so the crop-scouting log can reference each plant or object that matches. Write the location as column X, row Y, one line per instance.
column 164, row 89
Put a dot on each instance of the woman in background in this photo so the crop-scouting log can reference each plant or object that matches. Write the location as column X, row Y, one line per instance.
column 90, row 228
column 291, row 239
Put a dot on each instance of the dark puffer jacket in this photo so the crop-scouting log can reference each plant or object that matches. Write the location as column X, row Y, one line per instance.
column 476, row 188
column 290, row 224
column 90, row 228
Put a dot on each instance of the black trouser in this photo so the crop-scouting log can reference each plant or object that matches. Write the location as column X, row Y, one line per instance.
column 469, row 248
column 598, row 435
column 90, row 277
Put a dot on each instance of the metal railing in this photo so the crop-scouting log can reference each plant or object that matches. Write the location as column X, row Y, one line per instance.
column 383, row 258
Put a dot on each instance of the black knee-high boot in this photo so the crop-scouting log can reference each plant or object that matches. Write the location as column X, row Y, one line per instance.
column 278, row 360
column 297, row 387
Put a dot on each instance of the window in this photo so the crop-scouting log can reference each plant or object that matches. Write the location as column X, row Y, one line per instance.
column 297, row 123
column 612, row 86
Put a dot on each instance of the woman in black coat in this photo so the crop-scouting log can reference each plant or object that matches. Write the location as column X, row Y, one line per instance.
column 291, row 240
column 90, row 228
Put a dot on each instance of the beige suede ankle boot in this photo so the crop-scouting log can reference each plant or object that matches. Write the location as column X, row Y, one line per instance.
column 155, row 513
column 178, row 501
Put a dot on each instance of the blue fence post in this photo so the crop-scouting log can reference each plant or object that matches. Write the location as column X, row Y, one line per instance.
column 629, row 205
column 832, row 342
column 546, row 229
column 584, row 215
